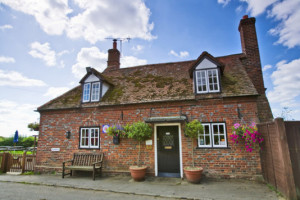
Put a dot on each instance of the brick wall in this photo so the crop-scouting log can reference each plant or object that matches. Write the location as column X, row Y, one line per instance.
column 229, row 162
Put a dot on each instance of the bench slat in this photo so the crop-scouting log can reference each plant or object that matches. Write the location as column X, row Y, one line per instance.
column 84, row 162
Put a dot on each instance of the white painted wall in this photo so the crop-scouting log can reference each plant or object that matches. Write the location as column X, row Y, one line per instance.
column 91, row 78
column 205, row 64
column 105, row 87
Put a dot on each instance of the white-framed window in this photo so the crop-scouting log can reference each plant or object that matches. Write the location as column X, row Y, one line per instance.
column 89, row 138
column 214, row 135
column 91, row 92
column 86, row 92
column 95, row 91
column 207, row 81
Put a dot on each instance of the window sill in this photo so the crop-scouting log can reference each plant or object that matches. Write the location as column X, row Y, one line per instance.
column 213, row 148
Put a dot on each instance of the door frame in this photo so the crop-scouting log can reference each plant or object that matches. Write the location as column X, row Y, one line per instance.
column 180, row 146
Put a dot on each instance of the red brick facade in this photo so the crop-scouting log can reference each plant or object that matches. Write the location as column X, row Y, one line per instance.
column 226, row 162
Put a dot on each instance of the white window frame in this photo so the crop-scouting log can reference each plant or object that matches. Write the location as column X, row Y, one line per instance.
column 207, row 83
column 85, row 94
column 211, row 134
column 89, row 145
column 204, row 134
column 95, row 92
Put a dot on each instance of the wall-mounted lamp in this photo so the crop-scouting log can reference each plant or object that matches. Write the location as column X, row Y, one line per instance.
column 240, row 116
column 68, row 134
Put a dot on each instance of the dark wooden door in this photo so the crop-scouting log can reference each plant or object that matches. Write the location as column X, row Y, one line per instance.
column 168, row 160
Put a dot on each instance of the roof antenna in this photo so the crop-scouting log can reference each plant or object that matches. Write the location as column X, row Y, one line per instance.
column 120, row 40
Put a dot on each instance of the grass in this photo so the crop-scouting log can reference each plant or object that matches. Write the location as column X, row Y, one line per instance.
column 271, row 187
column 17, row 152
column 28, row 173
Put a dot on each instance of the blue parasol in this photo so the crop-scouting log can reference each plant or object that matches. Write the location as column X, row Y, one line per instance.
column 16, row 137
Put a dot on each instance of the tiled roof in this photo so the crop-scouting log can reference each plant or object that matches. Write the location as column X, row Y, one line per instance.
column 159, row 82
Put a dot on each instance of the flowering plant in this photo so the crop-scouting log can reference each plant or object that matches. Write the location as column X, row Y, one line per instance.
column 117, row 131
column 249, row 133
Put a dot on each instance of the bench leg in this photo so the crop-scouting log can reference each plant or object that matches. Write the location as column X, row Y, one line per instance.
column 63, row 172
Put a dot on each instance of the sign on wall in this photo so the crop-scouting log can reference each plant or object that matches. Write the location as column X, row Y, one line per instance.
column 104, row 128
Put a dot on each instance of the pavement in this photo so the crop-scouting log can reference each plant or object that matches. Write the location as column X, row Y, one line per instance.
column 173, row 188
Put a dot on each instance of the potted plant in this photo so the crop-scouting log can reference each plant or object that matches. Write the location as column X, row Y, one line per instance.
column 192, row 130
column 116, row 132
column 139, row 131
column 33, row 126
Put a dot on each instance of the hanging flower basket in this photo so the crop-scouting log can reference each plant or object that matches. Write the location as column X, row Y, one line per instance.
column 116, row 139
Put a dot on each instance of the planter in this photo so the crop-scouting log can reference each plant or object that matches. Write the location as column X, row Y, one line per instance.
column 138, row 173
column 193, row 174
column 116, row 139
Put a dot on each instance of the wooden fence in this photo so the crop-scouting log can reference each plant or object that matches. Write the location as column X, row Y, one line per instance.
column 17, row 162
column 280, row 156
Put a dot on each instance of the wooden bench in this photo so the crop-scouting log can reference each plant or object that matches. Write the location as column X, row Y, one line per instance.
column 84, row 162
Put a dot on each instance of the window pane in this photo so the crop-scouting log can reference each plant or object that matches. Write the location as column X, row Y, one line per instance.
column 215, row 128
column 201, row 81
column 207, row 140
column 201, row 142
column 86, row 92
column 95, row 91
column 216, row 140
column 221, row 129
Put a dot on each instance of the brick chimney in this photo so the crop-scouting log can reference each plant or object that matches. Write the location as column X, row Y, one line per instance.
column 113, row 61
column 251, row 51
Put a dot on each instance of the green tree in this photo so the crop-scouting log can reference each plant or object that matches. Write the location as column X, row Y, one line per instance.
column 139, row 131
column 192, row 130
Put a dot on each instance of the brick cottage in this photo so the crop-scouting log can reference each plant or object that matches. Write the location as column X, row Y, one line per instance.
column 218, row 91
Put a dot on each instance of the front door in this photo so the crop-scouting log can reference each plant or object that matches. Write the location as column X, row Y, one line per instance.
column 168, row 160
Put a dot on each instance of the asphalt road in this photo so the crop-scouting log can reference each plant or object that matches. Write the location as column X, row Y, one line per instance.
column 19, row 191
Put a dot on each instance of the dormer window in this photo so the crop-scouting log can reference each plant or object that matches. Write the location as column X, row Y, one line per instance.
column 206, row 73
column 91, row 92
column 207, row 81
column 94, row 86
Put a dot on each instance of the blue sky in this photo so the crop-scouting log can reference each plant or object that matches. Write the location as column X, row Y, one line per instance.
column 46, row 45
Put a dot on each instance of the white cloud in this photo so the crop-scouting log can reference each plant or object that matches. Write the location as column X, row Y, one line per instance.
column 286, row 81
column 288, row 30
column 182, row 54
column 22, row 115
column 97, row 59
column 266, row 67
column 53, row 92
column 63, row 52
column 13, row 78
column 257, row 7
column 44, row 52
column 51, row 15
column 137, row 48
column 4, row 59
column 89, row 57
column 131, row 61
column 95, row 20
column 6, row 26
column 286, row 12
column 224, row 2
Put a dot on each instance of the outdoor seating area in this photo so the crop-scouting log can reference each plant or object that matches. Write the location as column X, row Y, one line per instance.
column 84, row 162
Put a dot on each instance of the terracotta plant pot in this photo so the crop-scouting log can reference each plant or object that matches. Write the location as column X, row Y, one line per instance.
column 193, row 174
column 138, row 173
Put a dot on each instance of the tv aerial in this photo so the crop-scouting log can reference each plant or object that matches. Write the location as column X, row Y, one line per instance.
column 120, row 40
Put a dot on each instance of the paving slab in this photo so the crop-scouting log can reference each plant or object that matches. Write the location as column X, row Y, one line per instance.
column 175, row 188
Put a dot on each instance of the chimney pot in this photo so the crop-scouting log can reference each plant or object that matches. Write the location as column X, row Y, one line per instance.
column 115, row 44
column 245, row 17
